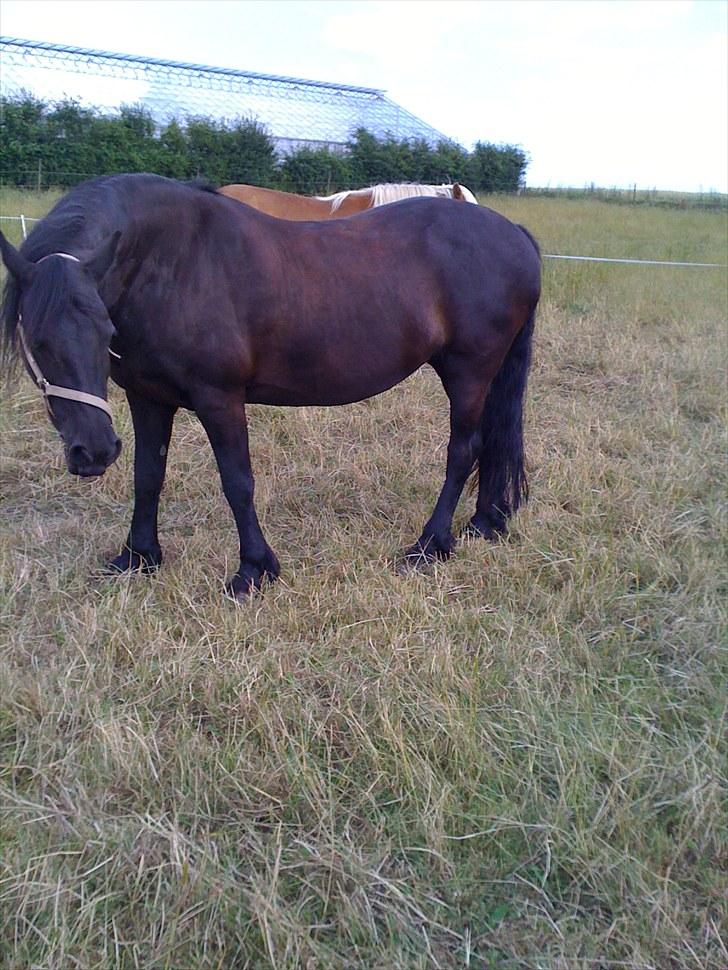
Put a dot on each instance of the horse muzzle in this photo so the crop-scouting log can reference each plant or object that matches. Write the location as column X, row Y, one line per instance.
column 91, row 463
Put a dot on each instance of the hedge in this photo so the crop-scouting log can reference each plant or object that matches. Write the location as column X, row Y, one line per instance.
column 59, row 144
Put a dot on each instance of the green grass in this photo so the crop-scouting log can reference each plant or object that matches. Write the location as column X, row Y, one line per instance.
column 516, row 761
column 17, row 202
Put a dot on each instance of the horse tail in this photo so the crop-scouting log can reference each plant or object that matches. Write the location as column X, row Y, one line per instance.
column 503, row 482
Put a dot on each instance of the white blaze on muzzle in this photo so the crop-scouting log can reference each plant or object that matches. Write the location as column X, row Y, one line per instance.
column 53, row 390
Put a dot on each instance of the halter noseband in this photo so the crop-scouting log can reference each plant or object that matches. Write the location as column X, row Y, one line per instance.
column 53, row 390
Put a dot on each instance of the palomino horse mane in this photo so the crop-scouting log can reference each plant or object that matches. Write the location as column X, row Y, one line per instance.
column 385, row 193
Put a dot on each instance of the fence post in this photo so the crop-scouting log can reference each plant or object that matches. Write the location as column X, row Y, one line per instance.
column 22, row 226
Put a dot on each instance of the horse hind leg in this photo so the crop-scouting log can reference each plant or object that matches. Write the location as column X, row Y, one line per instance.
column 467, row 391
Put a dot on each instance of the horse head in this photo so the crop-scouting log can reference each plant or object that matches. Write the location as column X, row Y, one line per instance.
column 56, row 319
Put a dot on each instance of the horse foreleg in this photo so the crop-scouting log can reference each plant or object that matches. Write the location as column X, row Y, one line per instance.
column 467, row 394
column 152, row 431
column 226, row 428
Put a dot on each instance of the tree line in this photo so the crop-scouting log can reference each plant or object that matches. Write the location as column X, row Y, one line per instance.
column 46, row 144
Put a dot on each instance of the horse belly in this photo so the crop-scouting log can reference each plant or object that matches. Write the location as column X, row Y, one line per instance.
column 324, row 390
column 345, row 368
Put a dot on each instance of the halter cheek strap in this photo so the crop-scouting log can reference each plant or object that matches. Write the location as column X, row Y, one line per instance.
column 53, row 390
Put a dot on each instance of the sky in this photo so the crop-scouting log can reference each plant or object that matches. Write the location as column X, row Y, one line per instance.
column 610, row 92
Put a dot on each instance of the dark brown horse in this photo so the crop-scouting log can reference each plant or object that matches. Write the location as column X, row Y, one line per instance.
column 189, row 299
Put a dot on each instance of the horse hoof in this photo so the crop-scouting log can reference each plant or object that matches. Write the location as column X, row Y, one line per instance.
column 240, row 592
column 421, row 558
column 412, row 562
column 482, row 530
column 473, row 531
column 249, row 582
column 134, row 562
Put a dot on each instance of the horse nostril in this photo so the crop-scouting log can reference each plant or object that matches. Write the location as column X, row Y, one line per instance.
column 78, row 456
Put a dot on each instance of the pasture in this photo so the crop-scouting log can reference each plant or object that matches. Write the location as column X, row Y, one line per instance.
column 515, row 760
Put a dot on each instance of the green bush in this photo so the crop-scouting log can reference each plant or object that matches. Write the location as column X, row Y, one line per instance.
column 60, row 144
column 375, row 160
column 315, row 170
column 496, row 168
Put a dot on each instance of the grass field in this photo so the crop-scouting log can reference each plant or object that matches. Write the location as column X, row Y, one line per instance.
column 515, row 761
column 716, row 201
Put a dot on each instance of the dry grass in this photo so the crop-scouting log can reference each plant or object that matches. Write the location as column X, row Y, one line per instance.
column 517, row 761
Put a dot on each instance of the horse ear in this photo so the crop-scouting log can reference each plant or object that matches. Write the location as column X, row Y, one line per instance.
column 18, row 266
column 457, row 192
column 98, row 262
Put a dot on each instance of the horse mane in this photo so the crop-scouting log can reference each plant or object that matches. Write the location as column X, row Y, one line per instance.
column 45, row 302
column 385, row 193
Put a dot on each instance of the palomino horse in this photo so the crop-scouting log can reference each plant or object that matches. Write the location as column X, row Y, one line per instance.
column 287, row 205
column 189, row 300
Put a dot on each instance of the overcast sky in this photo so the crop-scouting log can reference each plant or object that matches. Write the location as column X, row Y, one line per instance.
column 610, row 92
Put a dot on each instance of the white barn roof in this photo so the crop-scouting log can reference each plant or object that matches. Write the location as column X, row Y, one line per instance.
column 294, row 111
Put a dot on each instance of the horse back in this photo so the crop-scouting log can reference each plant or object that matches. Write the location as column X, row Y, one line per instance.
column 280, row 205
column 321, row 312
